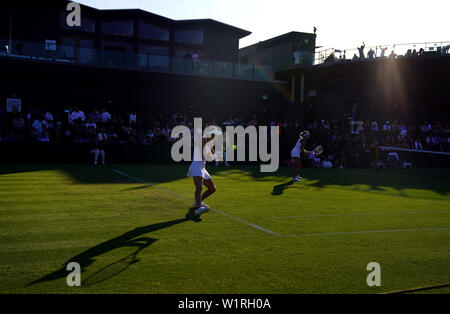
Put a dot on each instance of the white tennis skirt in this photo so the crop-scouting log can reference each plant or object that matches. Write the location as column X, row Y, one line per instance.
column 197, row 169
column 295, row 154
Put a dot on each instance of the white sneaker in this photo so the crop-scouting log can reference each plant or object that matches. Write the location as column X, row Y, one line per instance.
column 203, row 205
column 300, row 178
column 296, row 179
column 202, row 210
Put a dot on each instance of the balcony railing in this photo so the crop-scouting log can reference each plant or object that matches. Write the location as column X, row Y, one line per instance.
column 132, row 61
column 333, row 55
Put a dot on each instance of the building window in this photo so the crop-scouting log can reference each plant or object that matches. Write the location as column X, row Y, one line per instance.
column 189, row 37
column 153, row 32
column 67, row 48
column 154, row 50
column 302, row 57
column 116, row 46
column 154, row 58
column 244, row 60
column 118, row 28
column 87, row 25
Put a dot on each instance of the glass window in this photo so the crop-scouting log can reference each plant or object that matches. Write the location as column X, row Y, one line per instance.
column 116, row 46
column 153, row 32
column 244, row 60
column 302, row 57
column 69, row 41
column 86, row 43
column 118, row 28
column 189, row 36
column 67, row 48
column 154, row 50
column 87, row 25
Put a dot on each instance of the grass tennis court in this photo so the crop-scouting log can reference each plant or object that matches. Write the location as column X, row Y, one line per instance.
column 125, row 224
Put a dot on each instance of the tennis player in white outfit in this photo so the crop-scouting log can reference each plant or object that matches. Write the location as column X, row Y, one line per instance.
column 296, row 154
column 201, row 177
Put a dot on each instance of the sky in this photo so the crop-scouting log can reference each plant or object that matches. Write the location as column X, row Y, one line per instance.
column 340, row 24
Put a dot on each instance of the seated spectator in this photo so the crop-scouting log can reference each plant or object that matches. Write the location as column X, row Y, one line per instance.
column 18, row 123
column 253, row 121
column 39, row 126
column 48, row 117
column 77, row 116
column 374, row 126
column 105, row 117
column 44, row 137
column 387, row 126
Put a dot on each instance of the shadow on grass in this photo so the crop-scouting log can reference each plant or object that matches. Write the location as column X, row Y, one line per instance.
column 133, row 238
column 433, row 179
column 280, row 188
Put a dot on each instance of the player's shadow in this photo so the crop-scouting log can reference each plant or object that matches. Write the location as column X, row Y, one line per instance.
column 279, row 189
column 133, row 238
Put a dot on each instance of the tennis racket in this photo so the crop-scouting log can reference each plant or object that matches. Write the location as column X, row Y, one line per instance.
column 318, row 150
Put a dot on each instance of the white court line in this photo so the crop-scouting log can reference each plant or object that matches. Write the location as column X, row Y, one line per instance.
column 362, row 214
column 184, row 198
column 361, row 232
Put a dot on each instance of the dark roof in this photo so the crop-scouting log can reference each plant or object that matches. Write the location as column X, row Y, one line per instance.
column 240, row 31
column 279, row 39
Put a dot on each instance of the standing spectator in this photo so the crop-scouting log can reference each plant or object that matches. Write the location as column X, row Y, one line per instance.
column 383, row 52
column 417, row 145
column 132, row 117
column 371, row 54
column 361, row 51
column 195, row 61
column 102, row 139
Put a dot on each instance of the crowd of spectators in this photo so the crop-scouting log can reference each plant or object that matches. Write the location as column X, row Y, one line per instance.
column 365, row 135
column 381, row 52
column 341, row 138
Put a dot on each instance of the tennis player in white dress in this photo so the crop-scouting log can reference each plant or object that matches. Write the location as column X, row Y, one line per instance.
column 197, row 171
column 296, row 153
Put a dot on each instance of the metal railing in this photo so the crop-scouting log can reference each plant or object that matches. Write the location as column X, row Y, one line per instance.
column 333, row 55
column 132, row 61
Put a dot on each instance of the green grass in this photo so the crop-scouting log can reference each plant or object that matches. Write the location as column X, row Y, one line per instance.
column 131, row 237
